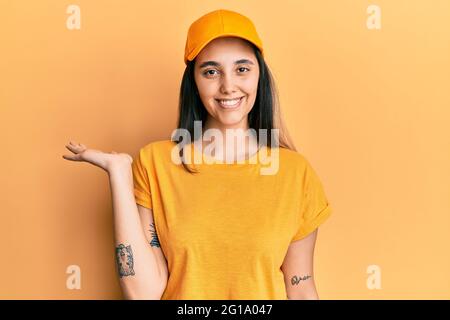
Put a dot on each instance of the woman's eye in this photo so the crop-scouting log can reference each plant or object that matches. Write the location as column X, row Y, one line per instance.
column 210, row 72
column 207, row 72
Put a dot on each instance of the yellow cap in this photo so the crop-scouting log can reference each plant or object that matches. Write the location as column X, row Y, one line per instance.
column 216, row 24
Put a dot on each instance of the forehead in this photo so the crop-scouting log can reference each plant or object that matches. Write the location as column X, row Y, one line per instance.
column 226, row 49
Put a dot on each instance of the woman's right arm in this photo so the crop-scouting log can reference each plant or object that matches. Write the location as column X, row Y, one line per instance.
column 141, row 266
column 148, row 225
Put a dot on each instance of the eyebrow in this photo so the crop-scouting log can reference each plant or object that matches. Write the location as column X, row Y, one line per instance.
column 216, row 64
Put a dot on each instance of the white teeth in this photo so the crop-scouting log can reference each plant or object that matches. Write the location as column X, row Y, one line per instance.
column 229, row 103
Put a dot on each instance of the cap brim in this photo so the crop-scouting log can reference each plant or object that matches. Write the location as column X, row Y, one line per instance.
column 197, row 50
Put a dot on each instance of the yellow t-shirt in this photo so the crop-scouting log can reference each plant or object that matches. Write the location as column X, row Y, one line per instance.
column 225, row 231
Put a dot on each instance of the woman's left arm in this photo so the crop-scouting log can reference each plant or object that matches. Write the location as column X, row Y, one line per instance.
column 298, row 269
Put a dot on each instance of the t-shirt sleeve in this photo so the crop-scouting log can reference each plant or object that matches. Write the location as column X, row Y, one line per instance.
column 314, row 206
column 141, row 180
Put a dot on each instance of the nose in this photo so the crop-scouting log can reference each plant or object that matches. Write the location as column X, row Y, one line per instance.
column 227, row 86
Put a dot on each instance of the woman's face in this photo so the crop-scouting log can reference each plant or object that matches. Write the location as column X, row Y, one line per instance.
column 226, row 70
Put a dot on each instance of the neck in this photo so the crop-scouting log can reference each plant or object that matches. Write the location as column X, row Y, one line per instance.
column 230, row 147
column 213, row 123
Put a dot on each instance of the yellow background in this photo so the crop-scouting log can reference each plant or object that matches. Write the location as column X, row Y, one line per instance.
column 368, row 108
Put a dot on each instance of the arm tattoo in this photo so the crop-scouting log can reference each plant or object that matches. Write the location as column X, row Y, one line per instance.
column 155, row 241
column 296, row 280
column 124, row 258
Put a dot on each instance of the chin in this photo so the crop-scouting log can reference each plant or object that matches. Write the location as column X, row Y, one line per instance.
column 231, row 120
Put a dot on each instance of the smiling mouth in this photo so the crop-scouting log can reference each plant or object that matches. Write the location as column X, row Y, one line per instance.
column 230, row 104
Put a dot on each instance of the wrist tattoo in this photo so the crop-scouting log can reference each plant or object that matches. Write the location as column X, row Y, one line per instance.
column 296, row 280
column 124, row 258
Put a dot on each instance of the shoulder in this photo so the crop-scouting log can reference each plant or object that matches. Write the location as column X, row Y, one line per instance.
column 158, row 146
column 159, row 151
column 293, row 159
column 300, row 164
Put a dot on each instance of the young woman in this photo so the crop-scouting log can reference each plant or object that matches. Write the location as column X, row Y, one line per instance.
column 215, row 228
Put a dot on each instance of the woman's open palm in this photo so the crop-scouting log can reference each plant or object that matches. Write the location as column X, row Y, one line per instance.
column 104, row 160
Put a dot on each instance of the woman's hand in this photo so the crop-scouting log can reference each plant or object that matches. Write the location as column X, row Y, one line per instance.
column 106, row 161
